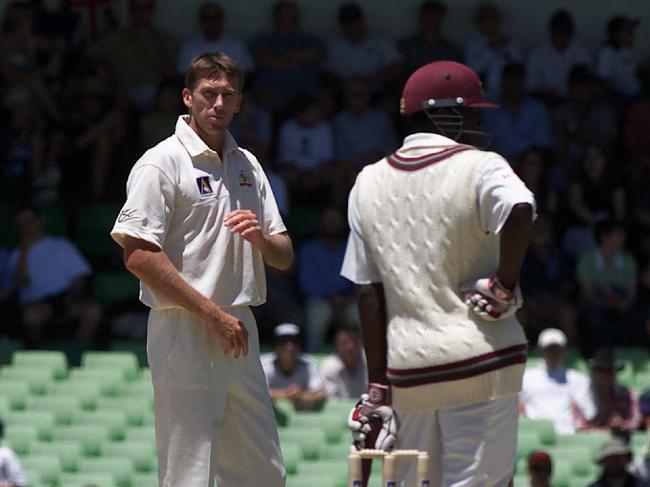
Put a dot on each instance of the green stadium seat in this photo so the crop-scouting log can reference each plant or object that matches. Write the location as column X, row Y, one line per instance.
column 108, row 380
column 41, row 421
column 94, row 224
column 145, row 480
column 126, row 362
column 640, row 443
column 638, row 356
column 139, row 453
column 68, row 452
column 87, row 479
column 113, row 287
column 543, row 427
column 521, row 481
column 333, row 425
column 20, row 438
column 138, row 389
column 311, row 441
column 48, row 466
column 591, row 441
column 114, row 421
column 33, row 478
column 15, row 392
column 336, row 452
column 310, row 480
column 38, row 379
column 582, row 481
column 141, row 433
column 642, row 381
column 527, row 442
column 137, row 410
column 291, row 454
column 341, row 407
column 86, row 391
column 45, row 359
column 5, row 406
column 91, row 438
column 626, row 376
column 120, row 469
column 62, row 407
column 579, row 459
column 561, row 476
column 335, row 471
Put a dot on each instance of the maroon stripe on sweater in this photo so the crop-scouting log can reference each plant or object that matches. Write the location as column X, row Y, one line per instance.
column 394, row 159
column 460, row 363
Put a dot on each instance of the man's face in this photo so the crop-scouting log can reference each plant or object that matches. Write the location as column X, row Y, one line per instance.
column 348, row 347
column 354, row 31
column 554, row 356
column 603, row 378
column 615, row 466
column 514, row 85
column 29, row 224
column 287, row 351
column 213, row 103
column 431, row 20
column 211, row 23
column 560, row 39
column 540, row 474
column 286, row 19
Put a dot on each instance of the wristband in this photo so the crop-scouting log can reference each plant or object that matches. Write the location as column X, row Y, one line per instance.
column 378, row 394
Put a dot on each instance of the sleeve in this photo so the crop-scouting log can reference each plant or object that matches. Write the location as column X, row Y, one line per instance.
column 358, row 265
column 14, row 470
column 272, row 223
column 498, row 190
column 148, row 208
column 315, row 380
column 329, row 378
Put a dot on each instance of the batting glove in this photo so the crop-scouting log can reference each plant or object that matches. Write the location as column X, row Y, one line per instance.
column 490, row 300
column 373, row 422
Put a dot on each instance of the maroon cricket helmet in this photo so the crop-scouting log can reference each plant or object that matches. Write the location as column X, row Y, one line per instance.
column 442, row 84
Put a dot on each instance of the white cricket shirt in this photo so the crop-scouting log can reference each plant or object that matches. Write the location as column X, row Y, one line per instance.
column 10, row 469
column 498, row 190
column 178, row 194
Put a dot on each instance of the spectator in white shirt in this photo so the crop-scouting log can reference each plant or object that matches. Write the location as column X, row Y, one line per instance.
column 550, row 389
column 306, row 152
column 356, row 54
column 362, row 134
column 345, row 373
column 616, row 62
column 11, row 471
column 51, row 277
column 550, row 63
column 290, row 374
column 491, row 49
column 212, row 39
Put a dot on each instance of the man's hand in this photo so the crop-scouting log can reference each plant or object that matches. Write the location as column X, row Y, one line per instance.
column 246, row 224
column 490, row 300
column 230, row 331
column 372, row 421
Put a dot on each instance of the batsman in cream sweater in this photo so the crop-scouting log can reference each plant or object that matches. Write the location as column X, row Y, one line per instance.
column 439, row 230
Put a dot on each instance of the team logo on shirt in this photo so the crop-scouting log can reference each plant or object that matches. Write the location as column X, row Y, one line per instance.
column 244, row 179
column 204, row 185
column 126, row 214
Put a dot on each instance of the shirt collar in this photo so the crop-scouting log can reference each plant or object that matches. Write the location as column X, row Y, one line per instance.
column 425, row 139
column 194, row 145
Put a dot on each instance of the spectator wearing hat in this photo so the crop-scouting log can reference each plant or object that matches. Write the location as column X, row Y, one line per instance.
column 550, row 390
column 615, row 458
column 345, row 372
column 355, row 54
column 607, row 404
column 11, row 471
column 290, row 374
column 428, row 44
column 616, row 62
column 540, row 468
column 550, row 63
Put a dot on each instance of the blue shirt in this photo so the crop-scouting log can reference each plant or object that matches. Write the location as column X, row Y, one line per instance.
column 318, row 269
column 356, row 136
column 53, row 263
column 514, row 132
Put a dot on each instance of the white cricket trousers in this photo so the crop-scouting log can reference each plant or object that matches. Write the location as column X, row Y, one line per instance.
column 468, row 446
column 213, row 413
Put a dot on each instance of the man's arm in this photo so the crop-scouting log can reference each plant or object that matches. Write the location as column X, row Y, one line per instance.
column 152, row 266
column 277, row 250
column 515, row 236
column 372, row 312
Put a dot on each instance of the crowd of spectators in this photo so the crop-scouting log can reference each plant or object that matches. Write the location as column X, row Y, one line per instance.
column 82, row 100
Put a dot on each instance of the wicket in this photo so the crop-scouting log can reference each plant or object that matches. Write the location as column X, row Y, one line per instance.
column 389, row 459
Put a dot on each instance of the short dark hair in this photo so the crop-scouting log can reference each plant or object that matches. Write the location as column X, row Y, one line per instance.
column 282, row 4
column 347, row 327
column 513, row 69
column 213, row 65
column 432, row 5
column 607, row 227
column 210, row 5
column 562, row 21
column 350, row 12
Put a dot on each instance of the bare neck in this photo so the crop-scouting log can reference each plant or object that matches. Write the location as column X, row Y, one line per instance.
column 213, row 141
